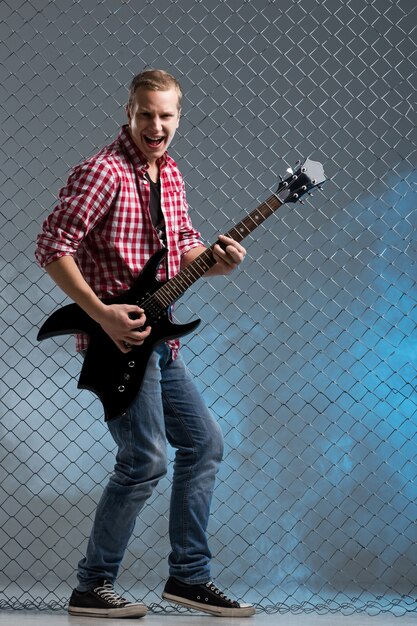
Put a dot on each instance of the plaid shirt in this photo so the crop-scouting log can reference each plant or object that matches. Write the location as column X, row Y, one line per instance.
column 103, row 220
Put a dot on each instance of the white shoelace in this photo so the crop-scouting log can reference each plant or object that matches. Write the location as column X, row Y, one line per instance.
column 217, row 591
column 107, row 593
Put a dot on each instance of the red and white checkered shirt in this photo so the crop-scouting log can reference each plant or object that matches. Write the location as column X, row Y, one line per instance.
column 103, row 220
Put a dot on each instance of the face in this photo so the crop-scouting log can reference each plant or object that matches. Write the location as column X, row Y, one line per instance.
column 153, row 119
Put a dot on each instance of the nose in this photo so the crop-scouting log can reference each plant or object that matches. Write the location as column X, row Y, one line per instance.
column 156, row 123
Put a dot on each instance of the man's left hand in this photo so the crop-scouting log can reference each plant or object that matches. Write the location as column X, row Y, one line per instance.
column 228, row 255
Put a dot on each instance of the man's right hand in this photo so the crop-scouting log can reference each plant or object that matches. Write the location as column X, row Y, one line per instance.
column 125, row 325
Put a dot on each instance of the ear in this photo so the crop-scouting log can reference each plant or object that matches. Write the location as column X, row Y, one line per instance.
column 127, row 109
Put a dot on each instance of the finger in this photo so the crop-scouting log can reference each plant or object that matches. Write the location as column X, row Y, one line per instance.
column 137, row 323
column 221, row 255
column 236, row 251
column 137, row 333
column 138, row 337
column 227, row 259
column 231, row 242
column 233, row 249
column 136, row 313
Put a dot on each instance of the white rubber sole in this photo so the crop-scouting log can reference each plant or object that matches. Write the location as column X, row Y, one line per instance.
column 245, row 610
column 136, row 610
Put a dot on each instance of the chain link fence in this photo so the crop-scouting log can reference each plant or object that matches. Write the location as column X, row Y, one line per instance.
column 307, row 355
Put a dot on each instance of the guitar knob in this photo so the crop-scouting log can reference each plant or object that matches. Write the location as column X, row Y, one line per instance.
column 121, row 388
column 131, row 364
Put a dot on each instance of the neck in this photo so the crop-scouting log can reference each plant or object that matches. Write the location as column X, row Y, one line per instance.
column 153, row 172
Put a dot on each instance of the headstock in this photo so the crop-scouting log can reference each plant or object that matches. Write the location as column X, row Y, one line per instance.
column 307, row 176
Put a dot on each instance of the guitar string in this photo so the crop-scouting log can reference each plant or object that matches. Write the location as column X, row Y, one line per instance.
column 184, row 279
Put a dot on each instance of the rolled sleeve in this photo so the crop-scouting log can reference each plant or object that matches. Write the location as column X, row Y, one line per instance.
column 83, row 201
column 189, row 237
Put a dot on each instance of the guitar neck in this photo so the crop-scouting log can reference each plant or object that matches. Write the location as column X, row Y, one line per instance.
column 178, row 285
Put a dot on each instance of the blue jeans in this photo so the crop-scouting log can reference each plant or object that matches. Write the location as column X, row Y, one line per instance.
column 168, row 407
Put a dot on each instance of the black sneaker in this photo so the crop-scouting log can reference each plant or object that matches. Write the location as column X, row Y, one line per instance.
column 205, row 597
column 103, row 601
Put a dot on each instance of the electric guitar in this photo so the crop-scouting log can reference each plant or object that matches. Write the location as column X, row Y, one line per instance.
column 116, row 377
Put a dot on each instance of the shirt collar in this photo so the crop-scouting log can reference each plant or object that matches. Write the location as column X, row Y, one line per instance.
column 133, row 152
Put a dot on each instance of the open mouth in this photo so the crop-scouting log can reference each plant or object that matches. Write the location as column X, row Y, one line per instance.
column 153, row 142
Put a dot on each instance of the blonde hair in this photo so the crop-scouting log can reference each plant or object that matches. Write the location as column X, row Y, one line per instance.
column 154, row 80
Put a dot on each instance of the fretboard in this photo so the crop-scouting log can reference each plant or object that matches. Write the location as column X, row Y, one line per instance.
column 178, row 285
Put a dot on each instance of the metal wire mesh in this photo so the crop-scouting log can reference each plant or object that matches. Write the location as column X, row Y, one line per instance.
column 307, row 356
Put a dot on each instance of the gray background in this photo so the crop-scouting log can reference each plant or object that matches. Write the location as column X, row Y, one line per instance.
column 307, row 355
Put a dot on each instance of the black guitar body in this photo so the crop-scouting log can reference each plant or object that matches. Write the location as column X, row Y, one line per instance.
column 116, row 377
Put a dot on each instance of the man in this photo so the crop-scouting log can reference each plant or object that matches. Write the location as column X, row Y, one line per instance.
column 117, row 209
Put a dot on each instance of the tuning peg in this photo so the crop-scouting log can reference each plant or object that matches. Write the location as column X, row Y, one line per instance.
column 301, row 201
column 290, row 170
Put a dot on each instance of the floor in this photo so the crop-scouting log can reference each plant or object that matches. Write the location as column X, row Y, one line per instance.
column 41, row 618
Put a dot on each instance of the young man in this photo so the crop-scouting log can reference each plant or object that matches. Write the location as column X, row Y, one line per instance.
column 117, row 209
